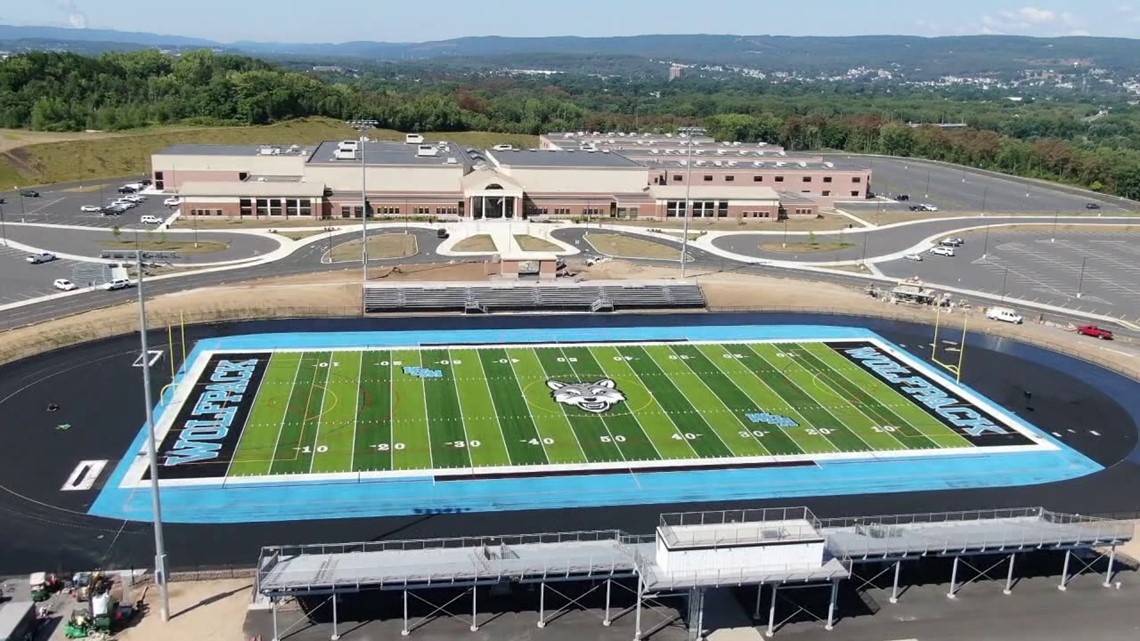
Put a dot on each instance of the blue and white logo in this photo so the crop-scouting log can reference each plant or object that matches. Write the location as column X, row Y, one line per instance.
column 775, row 420
column 423, row 372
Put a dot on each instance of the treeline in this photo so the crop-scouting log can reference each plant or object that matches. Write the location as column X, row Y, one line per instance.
column 1101, row 168
column 1044, row 137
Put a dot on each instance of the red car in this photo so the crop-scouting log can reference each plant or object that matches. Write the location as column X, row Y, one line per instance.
column 1094, row 331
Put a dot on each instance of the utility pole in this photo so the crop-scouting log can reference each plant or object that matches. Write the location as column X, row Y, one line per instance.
column 151, row 449
column 688, row 204
column 363, row 126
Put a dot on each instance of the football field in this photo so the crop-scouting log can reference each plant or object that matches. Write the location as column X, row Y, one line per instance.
column 457, row 410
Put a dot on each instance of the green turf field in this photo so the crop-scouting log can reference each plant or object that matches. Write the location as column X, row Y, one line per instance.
column 322, row 412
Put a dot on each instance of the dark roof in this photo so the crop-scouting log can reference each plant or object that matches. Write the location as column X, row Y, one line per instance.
column 555, row 158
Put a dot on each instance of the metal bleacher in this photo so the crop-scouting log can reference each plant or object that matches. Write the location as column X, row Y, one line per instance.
column 608, row 556
column 532, row 296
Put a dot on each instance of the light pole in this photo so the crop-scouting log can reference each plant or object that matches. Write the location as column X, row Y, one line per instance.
column 985, row 192
column 688, row 205
column 3, row 228
column 151, row 450
column 363, row 126
column 1053, row 238
column 928, row 169
column 1004, row 278
column 986, row 242
column 863, row 261
column 784, row 245
column 195, row 219
column 1081, row 280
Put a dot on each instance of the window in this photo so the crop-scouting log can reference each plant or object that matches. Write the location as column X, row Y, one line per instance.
column 305, row 207
column 807, row 179
column 729, row 179
column 722, row 209
column 708, row 179
column 757, row 179
column 452, row 210
column 421, row 211
column 703, row 208
column 827, row 179
column 856, row 179
column 345, row 211
column 262, row 207
column 291, row 207
column 675, row 209
column 677, row 178
column 275, row 207
column 855, row 193
column 242, row 176
column 826, row 192
column 389, row 211
column 591, row 211
column 158, row 175
column 246, row 207
column 779, row 179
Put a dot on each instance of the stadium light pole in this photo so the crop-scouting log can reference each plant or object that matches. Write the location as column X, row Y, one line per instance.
column 688, row 204
column 363, row 126
column 151, row 449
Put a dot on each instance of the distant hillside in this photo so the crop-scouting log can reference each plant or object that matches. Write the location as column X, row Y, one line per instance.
column 909, row 56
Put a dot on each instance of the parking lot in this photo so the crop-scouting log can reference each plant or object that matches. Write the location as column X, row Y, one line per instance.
column 22, row 280
column 954, row 190
column 1086, row 271
column 62, row 207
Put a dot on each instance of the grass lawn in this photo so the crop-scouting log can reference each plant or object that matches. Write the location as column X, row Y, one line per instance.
column 183, row 247
column 630, row 247
column 478, row 243
column 804, row 248
column 612, row 406
column 534, row 244
column 29, row 160
column 379, row 246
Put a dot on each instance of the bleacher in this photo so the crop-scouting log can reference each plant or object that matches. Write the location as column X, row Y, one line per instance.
column 532, row 297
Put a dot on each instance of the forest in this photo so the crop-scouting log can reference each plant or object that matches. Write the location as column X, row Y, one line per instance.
column 1048, row 136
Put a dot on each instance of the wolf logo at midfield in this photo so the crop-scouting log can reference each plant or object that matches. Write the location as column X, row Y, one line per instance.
column 597, row 397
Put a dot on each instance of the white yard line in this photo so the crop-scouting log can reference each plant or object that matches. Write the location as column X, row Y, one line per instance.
column 545, row 452
column 253, row 404
column 697, row 376
column 320, row 417
column 284, row 415
column 355, row 410
column 601, row 417
column 462, row 421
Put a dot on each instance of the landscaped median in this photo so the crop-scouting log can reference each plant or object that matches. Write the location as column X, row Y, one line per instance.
column 380, row 246
column 624, row 246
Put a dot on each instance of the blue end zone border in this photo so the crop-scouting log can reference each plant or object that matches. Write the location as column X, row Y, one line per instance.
column 306, row 500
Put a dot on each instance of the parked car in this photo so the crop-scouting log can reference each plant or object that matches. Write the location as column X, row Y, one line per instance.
column 150, row 220
column 90, row 209
column 42, row 257
column 915, row 257
column 2, row 201
column 1095, row 332
column 127, row 189
column 173, row 201
column 30, row 193
column 952, row 242
column 503, row 147
column 943, row 251
column 902, row 197
column 64, row 284
column 1092, row 206
column 928, row 207
column 118, row 283
column 917, row 208
column 1004, row 314
column 442, row 233
column 113, row 210
column 134, row 198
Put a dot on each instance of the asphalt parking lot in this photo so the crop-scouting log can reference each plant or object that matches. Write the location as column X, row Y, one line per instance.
column 953, row 190
column 91, row 242
column 1103, row 268
column 22, row 280
column 61, row 207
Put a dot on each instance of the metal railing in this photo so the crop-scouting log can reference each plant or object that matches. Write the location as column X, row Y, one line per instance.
column 448, row 543
column 719, row 517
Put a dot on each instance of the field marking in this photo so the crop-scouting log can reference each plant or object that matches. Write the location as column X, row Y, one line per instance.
column 560, row 412
column 655, row 403
column 462, row 419
column 601, row 417
column 253, row 404
column 530, row 413
column 355, row 410
column 391, row 414
column 838, row 423
column 84, row 475
column 858, row 406
column 685, row 364
column 427, row 414
column 284, row 416
column 325, row 393
column 495, row 407
column 746, row 427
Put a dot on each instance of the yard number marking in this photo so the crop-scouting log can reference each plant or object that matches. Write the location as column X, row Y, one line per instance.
column 616, row 438
column 535, row 441
column 384, row 447
column 461, row 444
column 753, row 433
column 321, row 449
column 885, row 428
column 687, row 436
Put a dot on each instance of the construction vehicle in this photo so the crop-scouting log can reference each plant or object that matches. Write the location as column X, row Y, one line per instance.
column 43, row 585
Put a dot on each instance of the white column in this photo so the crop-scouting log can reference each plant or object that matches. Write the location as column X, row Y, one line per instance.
column 895, row 587
column 542, row 604
column 953, row 579
column 831, row 605
column 1108, row 573
column 771, row 612
column 1065, row 572
column 606, row 621
column 335, row 634
column 1009, row 576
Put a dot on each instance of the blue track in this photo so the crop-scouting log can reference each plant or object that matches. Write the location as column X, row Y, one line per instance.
column 302, row 500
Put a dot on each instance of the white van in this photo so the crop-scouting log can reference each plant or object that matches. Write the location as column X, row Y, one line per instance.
column 1004, row 314
column 413, row 139
column 150, row 220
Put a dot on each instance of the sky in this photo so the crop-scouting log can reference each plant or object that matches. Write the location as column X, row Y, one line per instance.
column 386, row 20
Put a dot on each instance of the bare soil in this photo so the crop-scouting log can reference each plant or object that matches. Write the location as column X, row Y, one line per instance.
column 477, row 243
column 630, row 247
column 379, row 246
column 199, row 611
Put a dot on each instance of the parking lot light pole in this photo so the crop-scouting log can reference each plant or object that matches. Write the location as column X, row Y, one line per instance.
column 363, row 126
column 928, row 182
column 688, row 205
column 985, row 192
column 3, row 228
column 986, row 243
column 1053, row 238
column 1081, row 279
column 1004, row 278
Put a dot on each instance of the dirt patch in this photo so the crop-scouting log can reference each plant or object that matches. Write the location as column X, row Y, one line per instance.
column 379, row 246
column 200, row 611
column 804, row 248
column 631, row 247
column 13, row 138
column 534, row 244
column 300, row 235
column 480, row 243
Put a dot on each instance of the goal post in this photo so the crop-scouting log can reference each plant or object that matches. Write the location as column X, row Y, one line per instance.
column 953, row 368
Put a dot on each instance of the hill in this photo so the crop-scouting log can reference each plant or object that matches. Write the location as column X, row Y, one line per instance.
column 913, row 57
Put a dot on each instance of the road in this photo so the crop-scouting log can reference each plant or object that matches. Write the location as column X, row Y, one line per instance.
column 91, row 242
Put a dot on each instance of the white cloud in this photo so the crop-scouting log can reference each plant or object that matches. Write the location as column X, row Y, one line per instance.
column 76, row 18
column 1080, row 32
column 1035, row 21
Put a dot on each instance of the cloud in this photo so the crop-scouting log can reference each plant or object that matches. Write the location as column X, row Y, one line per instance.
column 1080, row 32
column 75, row 17
column 1036, row 20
